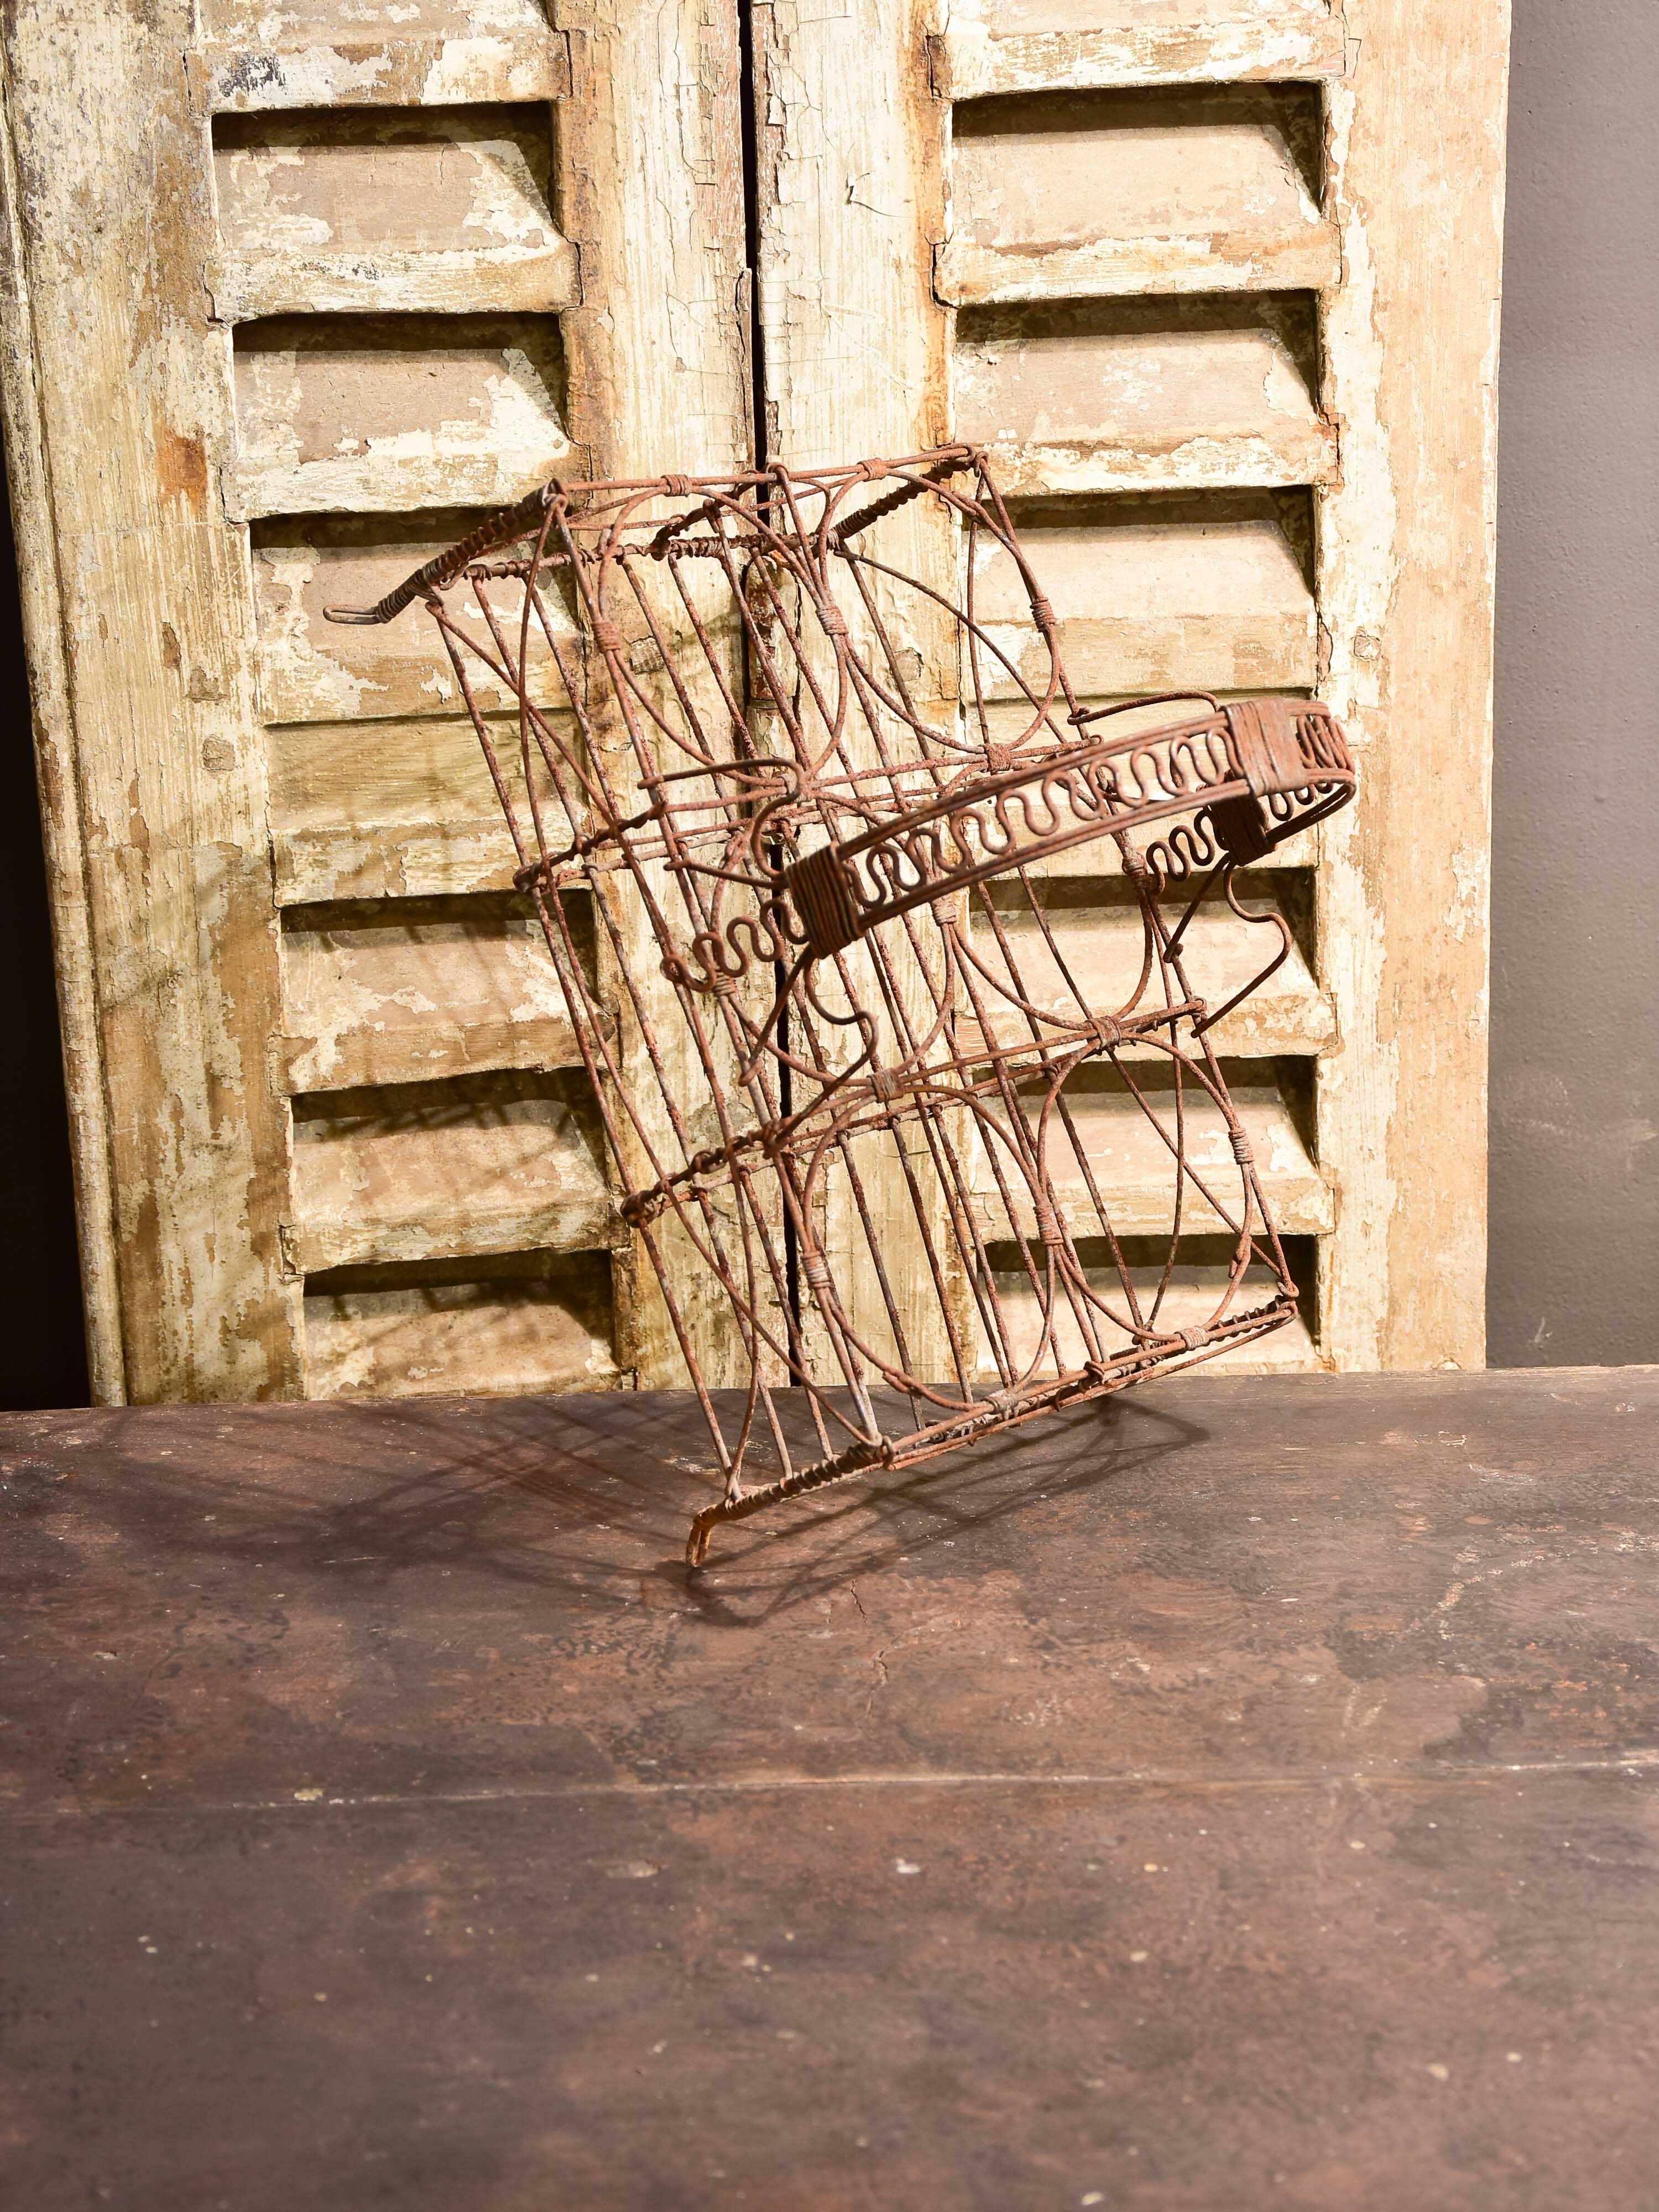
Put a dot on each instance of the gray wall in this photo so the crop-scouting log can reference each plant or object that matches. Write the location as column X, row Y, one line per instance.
column 1574, row 1272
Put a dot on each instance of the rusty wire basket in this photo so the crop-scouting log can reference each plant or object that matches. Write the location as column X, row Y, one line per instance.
column 790, row 760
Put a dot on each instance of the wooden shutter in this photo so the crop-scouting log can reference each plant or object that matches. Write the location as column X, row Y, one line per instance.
column 289, row 298
column 1216, row 282
column 292, row 291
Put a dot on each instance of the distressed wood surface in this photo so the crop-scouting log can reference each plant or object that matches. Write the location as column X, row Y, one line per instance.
column 394, row 413
column 400, row 991
column 1129, row 1157
column 1407, row 551
column 390, row 807
column 1195, row 1290
column 502, row 1162
column 332, row 67
column 1144, row 395
column 1243, row 1797
column 56, row 737
column 1100, row 944
column 658, row 354
column 974, row 273
column 313, row 670
column 1214, row 282
column 1153, row 594
column 1042, row 45
column 278, row 29
column 529, row 279
column 443, row 211
column 514, row 1321
column 112, row 214
column 304, row 276
column 1062, row 196
column 851, row 180
column 1315, row 430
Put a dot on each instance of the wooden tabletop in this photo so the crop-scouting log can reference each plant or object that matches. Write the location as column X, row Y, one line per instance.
column 1247, row 1794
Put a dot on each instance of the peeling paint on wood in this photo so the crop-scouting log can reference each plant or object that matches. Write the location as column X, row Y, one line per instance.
column 1155, row 593
column 403, row 991
column 399, row 189
column 1216, row 282
column 395, row 413
column 1078, row 197
column 527, row 61
column 1101, row 946
column 313, row 670
column 112, row 211
column 531, row 1321
column 1416, row 166
column 57, row 774
column 395, row 807
column 443, row 1170
column 1143, row 395
column 1315, row 418
column 438, row 211
column 1044, row 46
column 1128, row 1157
column 652, row 195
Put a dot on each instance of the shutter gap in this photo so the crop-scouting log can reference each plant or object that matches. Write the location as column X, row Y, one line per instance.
column 748, row 93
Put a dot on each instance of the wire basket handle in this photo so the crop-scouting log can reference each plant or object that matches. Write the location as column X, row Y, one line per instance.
column 500, row 530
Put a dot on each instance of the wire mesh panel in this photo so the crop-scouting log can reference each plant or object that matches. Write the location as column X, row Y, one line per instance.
column 788, row 759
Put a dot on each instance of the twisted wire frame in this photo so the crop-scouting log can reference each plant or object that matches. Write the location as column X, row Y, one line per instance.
column 800, row 748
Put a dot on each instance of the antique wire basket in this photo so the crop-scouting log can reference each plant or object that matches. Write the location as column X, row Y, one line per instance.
column 791, row 760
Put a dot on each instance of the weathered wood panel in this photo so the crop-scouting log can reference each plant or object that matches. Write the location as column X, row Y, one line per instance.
column 1079, row 196
column 313, row 670
column 1036, row 45
column 150, row 586
column 1195, row 1292
column 1330, row 1698
column 1210, row 592
column 444, row 211
column 378, row 206
column 403, row 54
column 280, row 30
column 401, row 991
column 393, row 413
column 391, row 807
column 1142, row 395
column 532, row 1320
column 1101, row 942
column 56, row 735
column 856, row 362
column 659, row 355
column 1212, row 252
column 425, row 1170
column 1226, row 274
column 1407, row 542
